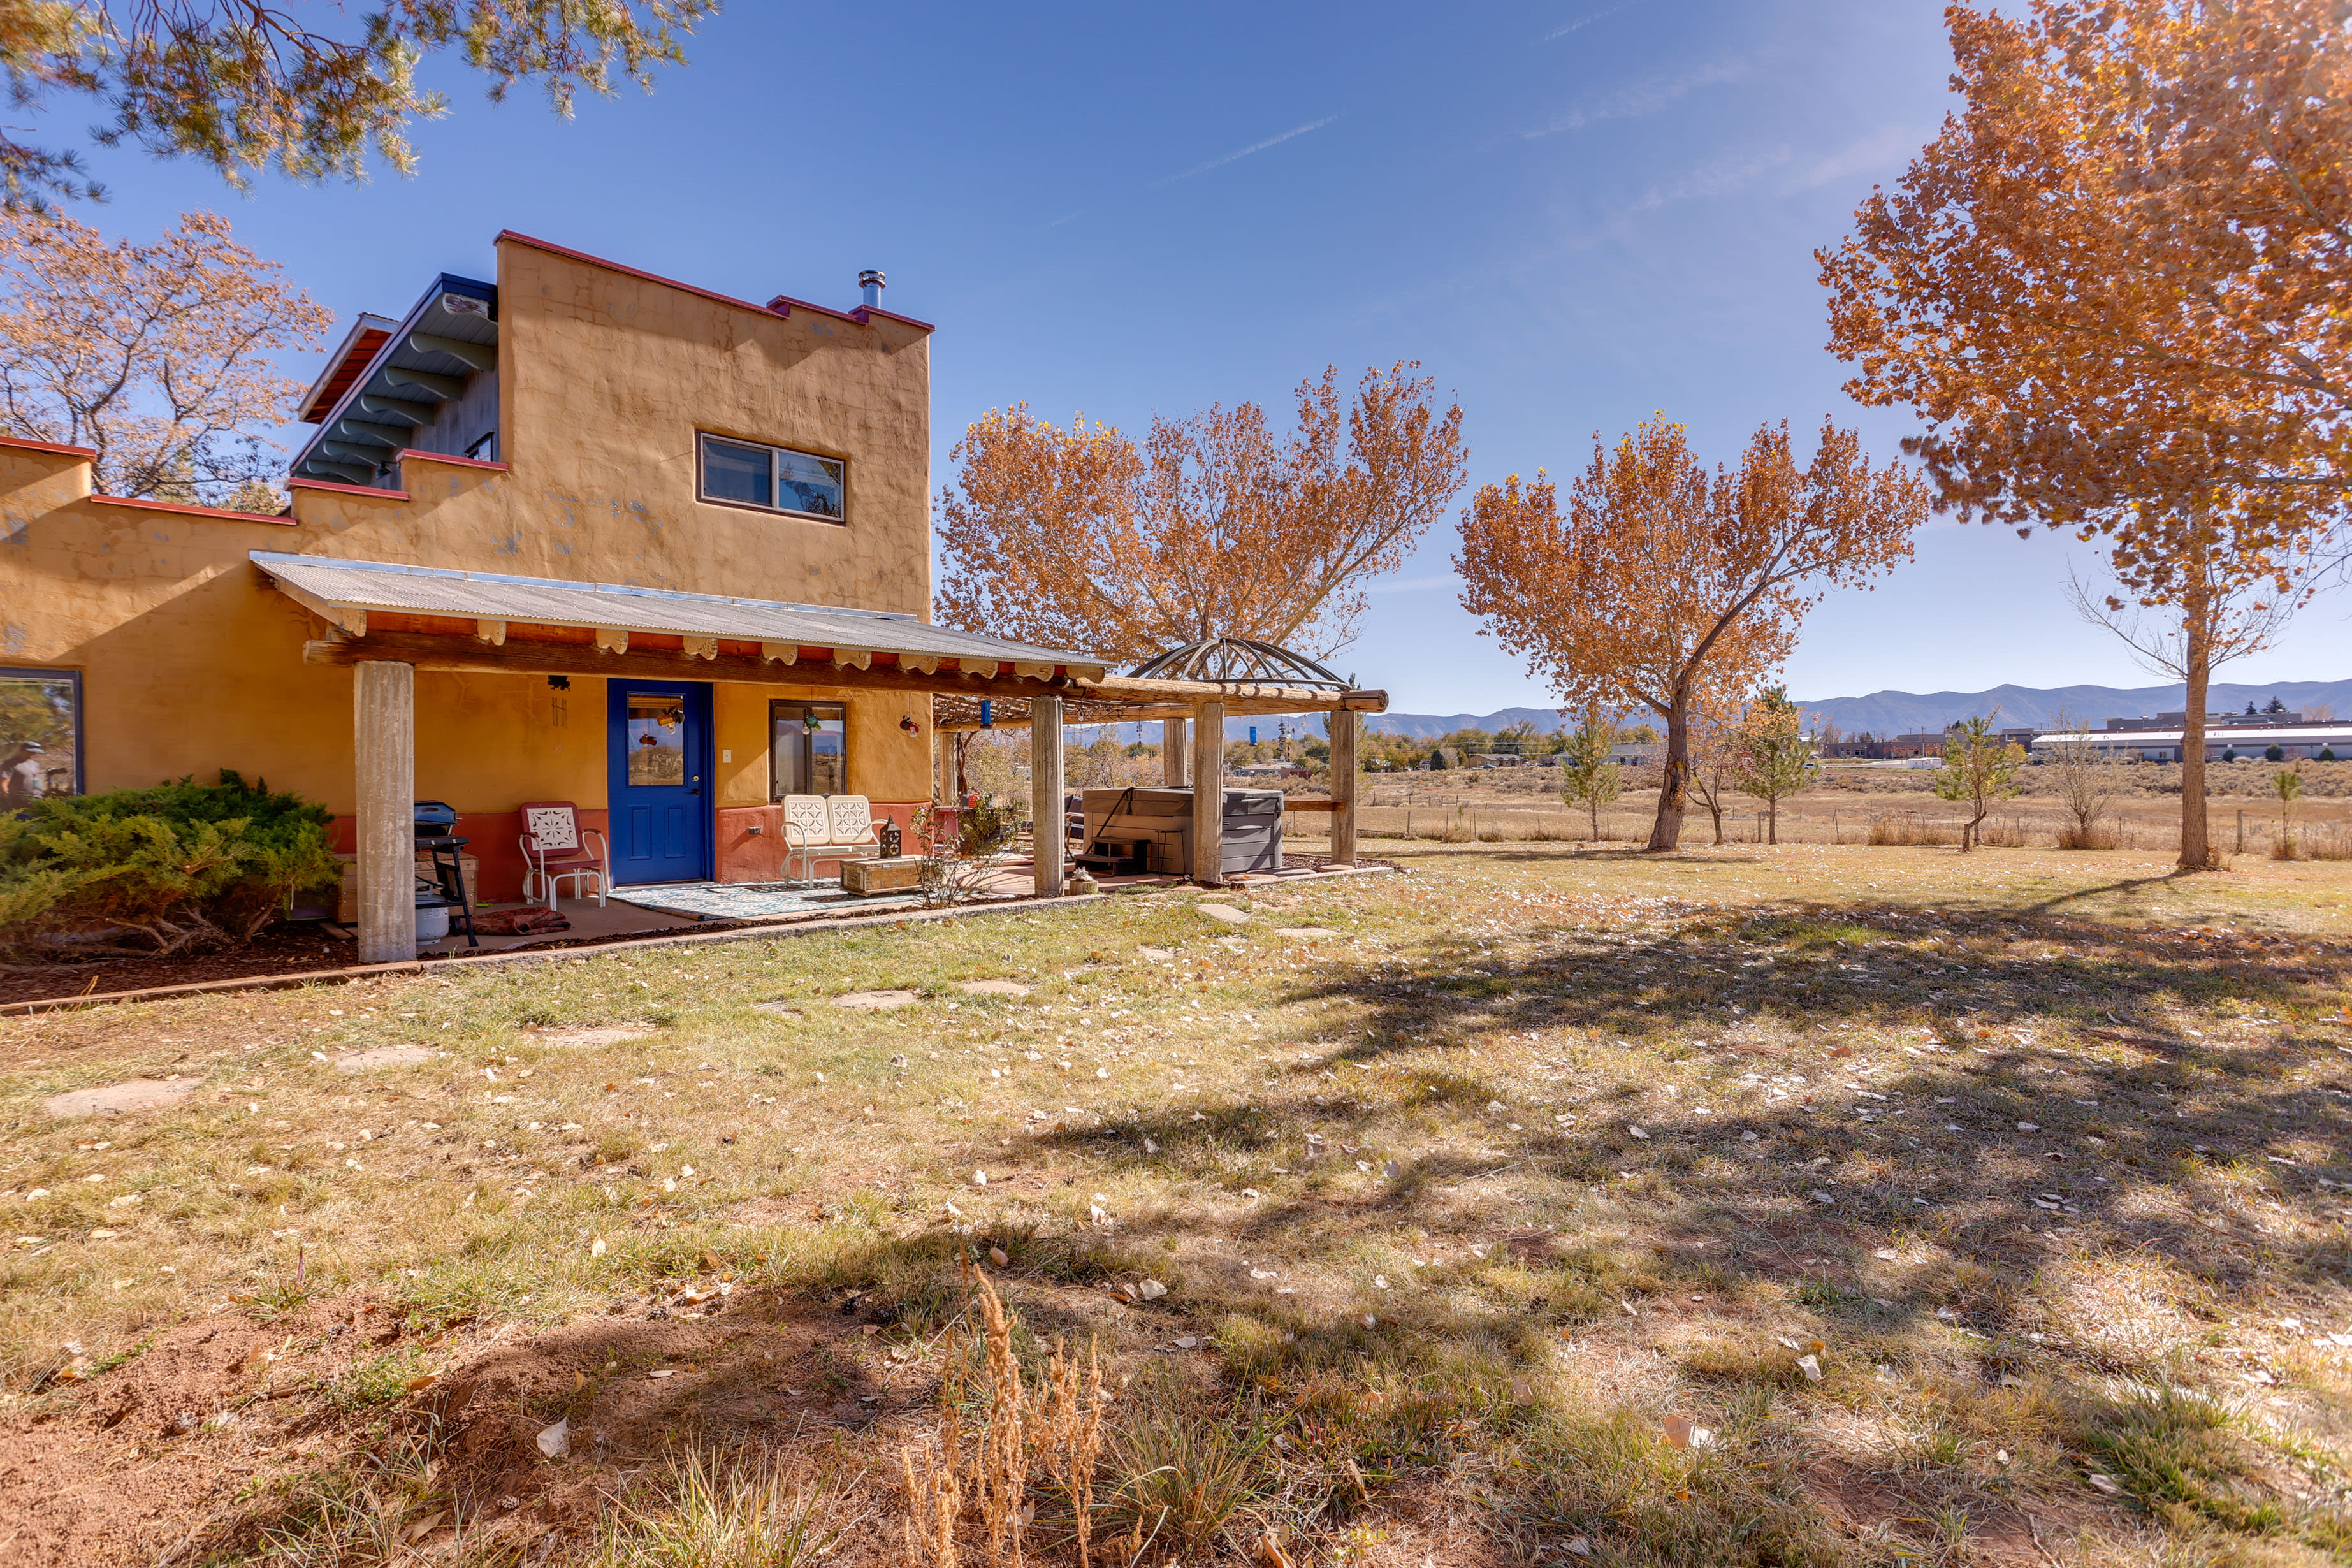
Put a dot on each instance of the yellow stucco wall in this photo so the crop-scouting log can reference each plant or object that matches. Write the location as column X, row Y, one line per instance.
column 191, row 664
column 885, row 764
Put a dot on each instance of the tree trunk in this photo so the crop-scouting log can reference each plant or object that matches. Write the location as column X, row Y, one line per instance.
column 1717, row 813
column 1593, row 805
column 1772, row 814
column 1666, row 832
column 2197, row 609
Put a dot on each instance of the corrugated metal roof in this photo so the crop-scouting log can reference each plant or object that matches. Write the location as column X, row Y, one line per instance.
column 549, row 601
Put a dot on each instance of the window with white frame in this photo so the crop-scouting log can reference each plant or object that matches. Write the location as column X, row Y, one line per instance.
column 774, row 478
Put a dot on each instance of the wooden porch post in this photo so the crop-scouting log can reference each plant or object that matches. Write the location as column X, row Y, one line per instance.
column 1346, row 725
column 383, row 728
column 1175, row 760
column 1208, row 794
column 1045, row 791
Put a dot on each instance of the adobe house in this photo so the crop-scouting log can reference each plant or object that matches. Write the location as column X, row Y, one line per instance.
column 541, row 522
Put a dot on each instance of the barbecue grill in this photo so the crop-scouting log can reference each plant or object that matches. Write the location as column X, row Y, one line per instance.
column 438, row 843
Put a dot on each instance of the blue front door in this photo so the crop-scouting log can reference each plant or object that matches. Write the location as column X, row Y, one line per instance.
column 660, row 781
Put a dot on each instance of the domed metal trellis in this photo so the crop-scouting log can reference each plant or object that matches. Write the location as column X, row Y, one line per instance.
column 1240, row 659
column 1237, row 661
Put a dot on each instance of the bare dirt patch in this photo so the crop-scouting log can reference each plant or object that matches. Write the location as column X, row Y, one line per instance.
column 122, row 1099
column 993, row 988
column 590, row 1039
column 876, row 1001
column 375, row 1057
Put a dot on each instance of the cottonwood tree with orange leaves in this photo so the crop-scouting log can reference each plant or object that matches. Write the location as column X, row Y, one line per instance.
column 1215, row 526
column 159, row 356
column 2114, row 287
column 1663, row 586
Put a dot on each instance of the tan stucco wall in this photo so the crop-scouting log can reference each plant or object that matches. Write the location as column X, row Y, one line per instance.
column 190, row 664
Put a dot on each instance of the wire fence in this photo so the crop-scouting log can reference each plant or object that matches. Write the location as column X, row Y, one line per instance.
column 2242, row 833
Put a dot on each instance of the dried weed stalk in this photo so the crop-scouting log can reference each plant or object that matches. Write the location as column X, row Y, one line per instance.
column 1070, row 1434
column 1061, row 1424
column 1004, row 1462
column 934, row 1499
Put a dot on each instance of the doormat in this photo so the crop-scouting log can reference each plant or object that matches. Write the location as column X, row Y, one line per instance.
column 759, row 900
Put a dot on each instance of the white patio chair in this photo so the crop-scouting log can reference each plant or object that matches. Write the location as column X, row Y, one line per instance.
column 556, row 848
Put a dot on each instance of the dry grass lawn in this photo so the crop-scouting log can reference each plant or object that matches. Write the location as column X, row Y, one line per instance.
column 1808, row 1205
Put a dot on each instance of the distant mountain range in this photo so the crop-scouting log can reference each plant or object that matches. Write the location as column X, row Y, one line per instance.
column 1912, row 712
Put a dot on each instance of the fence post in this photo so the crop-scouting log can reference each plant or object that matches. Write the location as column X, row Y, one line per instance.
column 2241, row 832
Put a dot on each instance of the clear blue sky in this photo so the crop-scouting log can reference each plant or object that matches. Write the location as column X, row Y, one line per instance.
column 1573, row 213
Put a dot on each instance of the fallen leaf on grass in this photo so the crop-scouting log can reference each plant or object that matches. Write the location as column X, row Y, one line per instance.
column 556, row 1441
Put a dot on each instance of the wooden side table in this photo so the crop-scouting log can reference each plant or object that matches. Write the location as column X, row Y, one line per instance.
column 900, row 874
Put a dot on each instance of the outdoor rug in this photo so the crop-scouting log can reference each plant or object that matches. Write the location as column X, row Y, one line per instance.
column 759, row 900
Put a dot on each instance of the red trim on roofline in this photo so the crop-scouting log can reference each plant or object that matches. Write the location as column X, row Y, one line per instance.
column 359, row 351
column 184, row 509
column 300, row 484
column 408, row 452
column 57, row 446
column 783, row 305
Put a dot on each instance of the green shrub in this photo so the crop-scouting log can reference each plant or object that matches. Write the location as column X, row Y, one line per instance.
column 983, row 830
column 157, row 870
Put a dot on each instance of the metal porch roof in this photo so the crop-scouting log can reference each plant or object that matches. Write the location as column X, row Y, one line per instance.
column 365, row 585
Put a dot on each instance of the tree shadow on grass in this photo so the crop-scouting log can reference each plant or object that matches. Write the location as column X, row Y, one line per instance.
column 1971, row 1153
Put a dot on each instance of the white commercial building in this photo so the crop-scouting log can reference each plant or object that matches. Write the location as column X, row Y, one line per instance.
column 2296, row 743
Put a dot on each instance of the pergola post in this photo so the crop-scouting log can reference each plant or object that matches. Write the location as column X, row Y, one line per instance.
column 1208, row 794
column 1175, row 758
column 383, row 731
column 1346, row 725
column 1047, row 830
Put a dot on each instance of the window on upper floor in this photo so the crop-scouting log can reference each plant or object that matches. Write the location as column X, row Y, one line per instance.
column 774, row 478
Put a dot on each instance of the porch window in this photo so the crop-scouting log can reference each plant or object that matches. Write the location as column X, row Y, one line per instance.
column 656, row 739
column 774, row 478
column 808, row 749
column 40, row 735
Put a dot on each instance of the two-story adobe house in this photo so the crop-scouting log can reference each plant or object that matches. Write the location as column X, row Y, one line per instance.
column 580, row 534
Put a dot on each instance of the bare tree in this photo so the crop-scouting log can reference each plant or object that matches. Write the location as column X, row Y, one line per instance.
column 1714, row 757
column 2089, row 776
column 2225, row 612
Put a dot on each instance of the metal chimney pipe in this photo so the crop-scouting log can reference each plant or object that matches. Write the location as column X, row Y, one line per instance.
column 871, row 284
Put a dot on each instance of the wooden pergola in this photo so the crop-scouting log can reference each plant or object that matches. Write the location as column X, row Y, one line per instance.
column 386, row 622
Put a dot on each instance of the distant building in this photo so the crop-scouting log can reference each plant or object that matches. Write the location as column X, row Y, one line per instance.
column 2297, row 739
